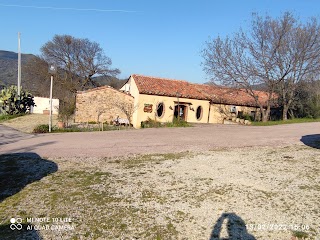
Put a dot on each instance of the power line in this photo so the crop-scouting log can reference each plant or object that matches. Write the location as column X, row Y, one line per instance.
column 73, row 9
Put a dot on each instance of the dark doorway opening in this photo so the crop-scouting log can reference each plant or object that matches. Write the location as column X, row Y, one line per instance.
column 180, row 112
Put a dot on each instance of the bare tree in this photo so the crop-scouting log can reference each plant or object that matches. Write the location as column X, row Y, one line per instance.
column 36, row 77
column 37, row 80
column 78, row 60
column 299, row 57
column 270, row 55
column 125, row 106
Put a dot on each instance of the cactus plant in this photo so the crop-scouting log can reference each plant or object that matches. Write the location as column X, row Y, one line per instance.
column 11, row 103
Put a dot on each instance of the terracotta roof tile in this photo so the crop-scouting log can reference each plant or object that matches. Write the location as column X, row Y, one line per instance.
column 166, row 87
column 101, row 88
column 216, row 94
column 232, row 96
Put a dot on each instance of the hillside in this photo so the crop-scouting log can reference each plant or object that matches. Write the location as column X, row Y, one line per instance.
column 110, row 81
column 9, row 66
column 9, row 73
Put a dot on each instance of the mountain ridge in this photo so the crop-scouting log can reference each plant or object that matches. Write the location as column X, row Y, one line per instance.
column 9, row 72
column 9, row 66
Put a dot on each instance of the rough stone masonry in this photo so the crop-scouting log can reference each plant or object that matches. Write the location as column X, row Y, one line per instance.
column 100, row 104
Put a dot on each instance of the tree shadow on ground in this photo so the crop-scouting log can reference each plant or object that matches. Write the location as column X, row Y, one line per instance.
column 10, row 232
column 311, row 140
column 17, row 171
column 235, row 228
column 20, row 169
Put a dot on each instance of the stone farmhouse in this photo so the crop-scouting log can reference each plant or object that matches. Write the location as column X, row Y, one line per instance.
column 101, row 104
column 164, row 99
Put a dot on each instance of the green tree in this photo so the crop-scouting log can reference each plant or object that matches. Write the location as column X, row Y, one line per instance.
column 11, row 103
column 66, row 110
column 307, row 102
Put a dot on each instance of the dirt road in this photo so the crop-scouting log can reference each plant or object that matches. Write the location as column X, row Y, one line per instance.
column 127, row 142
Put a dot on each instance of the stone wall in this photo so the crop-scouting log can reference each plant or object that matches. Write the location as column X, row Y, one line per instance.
column 100, row 104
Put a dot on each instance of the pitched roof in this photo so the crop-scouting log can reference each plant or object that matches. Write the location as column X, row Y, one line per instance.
column 232, row 96
column 216, row 94
column 102, row 88
column 167, row 87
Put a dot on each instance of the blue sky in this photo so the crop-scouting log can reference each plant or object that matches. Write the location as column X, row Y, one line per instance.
column 152, row 37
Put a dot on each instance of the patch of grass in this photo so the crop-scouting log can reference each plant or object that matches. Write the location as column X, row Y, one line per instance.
column 148, row 195
column 268, row 194
column 6, row 117
column 310, row 187
column 217, row 193
column 161, row 232
column 300, row 235
column 142, row 160
column 290, row 121
column 83, row 178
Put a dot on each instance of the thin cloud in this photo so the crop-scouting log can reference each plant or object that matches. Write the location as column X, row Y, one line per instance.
column 72, row 9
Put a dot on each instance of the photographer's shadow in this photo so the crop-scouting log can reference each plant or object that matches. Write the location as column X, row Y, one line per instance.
column 236, row 228
column 312, row 140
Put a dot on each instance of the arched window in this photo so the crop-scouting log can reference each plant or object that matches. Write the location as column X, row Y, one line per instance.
column 160, row 109
column 199, row 113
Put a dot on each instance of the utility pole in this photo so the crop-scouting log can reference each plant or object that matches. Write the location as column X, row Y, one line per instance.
column 19, row 66
column 52, row 71
column 50, row 117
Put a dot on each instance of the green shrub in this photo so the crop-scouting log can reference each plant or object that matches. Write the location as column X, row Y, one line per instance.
column 178, row 123
column 6, row 117
column 70, row 129
column 150, row 123
column 43, row 128
column 248, row 117
column 66, row 110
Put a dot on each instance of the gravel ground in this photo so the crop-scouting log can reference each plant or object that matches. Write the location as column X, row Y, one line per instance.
column 241, row 193
column 204, row 182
